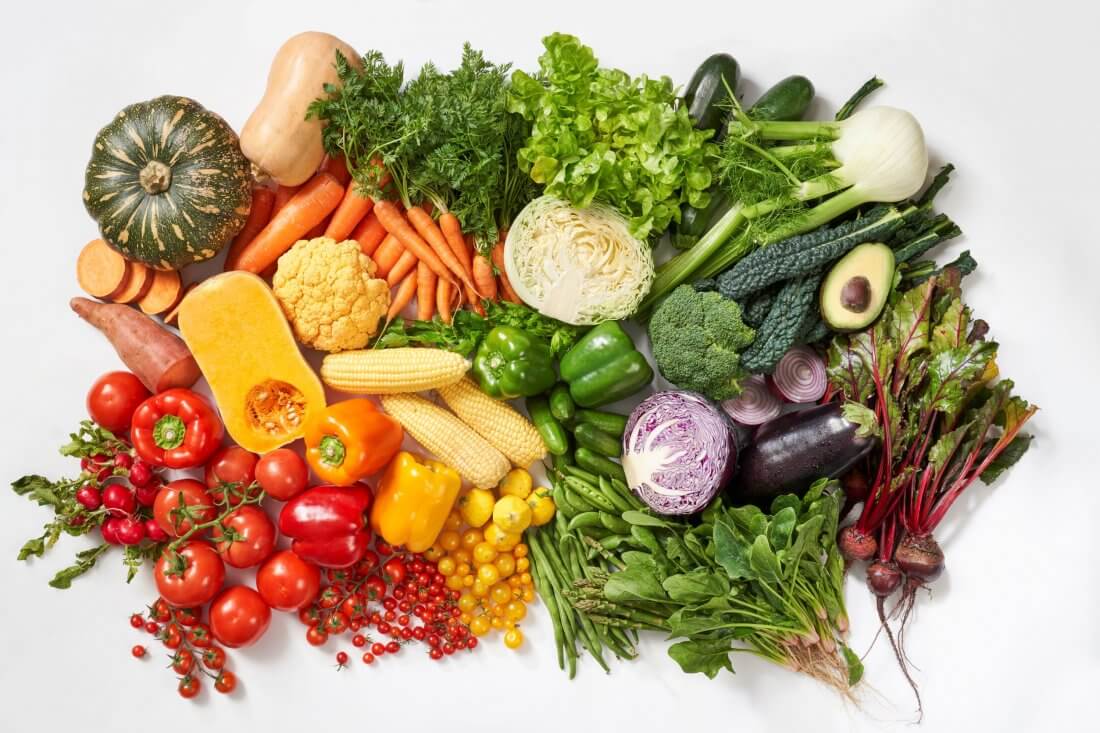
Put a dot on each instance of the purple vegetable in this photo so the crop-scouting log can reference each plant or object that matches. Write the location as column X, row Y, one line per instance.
column 678, row 452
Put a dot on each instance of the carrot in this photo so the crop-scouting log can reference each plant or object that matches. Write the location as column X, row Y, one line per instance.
column 452, row 231
column 263, row 203
column 282, row 195
column 444, row 294
column 309, row 207
column 425, row 292
column 157, row 356
column 350, row 212
column 405, row 264
column 369, row 234
column 401, row 298
column 387, row 255
column 163, row 293
column 336, row 166
column 399, row 226
column 319, row 230
column 483, row 276
column 430, row 232
column 138, row 281
column 505, row 284
column 100, row 270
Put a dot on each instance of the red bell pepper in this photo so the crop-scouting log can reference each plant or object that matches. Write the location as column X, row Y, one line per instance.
column 176, row 429
column 328, row 524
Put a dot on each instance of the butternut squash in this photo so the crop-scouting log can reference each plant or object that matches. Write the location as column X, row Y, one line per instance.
column 277, row 137
column 265, row 390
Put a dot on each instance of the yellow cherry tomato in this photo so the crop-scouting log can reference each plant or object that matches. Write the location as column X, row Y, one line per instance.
column 467, row 602
column 480, row 625
column 453, row 521
column 467, row 581
column 519, row 551
column 506, row 564
column 512, row 514
column 516, row 611
column 476, row 506
column 479, row 589
column 528, row 595
column 470, row 538
column 449, row 540
column 488, row 574
column 516, row 483
column 454, row 582
column 526, row 579
column 446, row 567
column 497, row 622
column 500, row 593
column 434, row 553
column 463, row 568
column 484, row 553
column 513, row 639
column 523, row 565
column 497, row 611
column 501, row 540
column 542, row 506
column 465, row 618
column 515, row 582
column 461, row 556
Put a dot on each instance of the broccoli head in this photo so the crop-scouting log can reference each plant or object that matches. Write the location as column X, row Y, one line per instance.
column 697, row 338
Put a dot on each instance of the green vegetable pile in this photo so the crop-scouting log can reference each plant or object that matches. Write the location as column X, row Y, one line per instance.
column 598, row 134
column 770, row 584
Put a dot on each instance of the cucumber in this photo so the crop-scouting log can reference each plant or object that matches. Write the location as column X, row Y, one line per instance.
column 609, row 422
column 594, row 439
column 551, row 431
column 599, row 465
column 707, row 96
column 785, row 101
column 561, row 402
column 694, row 222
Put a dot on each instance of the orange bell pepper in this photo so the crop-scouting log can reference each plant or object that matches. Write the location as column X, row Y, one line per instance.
column 350, row 440
column 413, row 500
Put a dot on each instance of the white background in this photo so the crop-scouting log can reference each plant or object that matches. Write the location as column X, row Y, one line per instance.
column 1006, row 91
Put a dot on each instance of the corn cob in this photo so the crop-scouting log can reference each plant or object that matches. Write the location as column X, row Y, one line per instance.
column 507, row 430
column 392, row 371
column 451, row 441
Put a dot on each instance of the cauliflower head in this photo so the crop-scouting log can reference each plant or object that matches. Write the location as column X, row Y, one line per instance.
column 329, row 294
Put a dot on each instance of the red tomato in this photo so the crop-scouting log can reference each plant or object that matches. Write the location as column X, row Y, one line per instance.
column 255, row 537
column 239, row 616
column 113, row 399
column 287, row 582
column 282, row 473
column 192, row 577
column 166, row 507
column 233, row 465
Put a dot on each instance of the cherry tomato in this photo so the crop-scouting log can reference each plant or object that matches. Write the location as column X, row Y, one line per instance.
column 189, row 687
column 395, row 571
column 282, row 473
column 230, row 465
column 254, row 537
column 336, row 623
column 160, row 610
column 286, row 582
column 354, row 606
column 169, row 514
column 183, row 662
column 191, row 576
column 137, row 620
column 172, row 637
column 368, row 658
column 119, row 500
column 226, row 682
column 375, row 588
column 341, row 658
column 113, row 398
column 152, row 627
column 316, row 636
column 199, row 636
column 138, row 651
column 213, row 658
column 188, row 617
column 239, row 616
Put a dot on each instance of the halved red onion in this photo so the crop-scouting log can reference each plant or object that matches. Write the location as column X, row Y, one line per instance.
column 800, row 375
column 755, row 405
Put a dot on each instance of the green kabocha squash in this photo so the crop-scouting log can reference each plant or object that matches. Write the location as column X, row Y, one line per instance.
column 168, row 183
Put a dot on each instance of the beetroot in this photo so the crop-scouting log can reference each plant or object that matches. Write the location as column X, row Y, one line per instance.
column 857, row 545
column 919, row 556
column 883, row 578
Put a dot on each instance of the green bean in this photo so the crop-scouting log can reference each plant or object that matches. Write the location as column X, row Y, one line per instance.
column 552, row 608
column 590, row 494
column 544, row 556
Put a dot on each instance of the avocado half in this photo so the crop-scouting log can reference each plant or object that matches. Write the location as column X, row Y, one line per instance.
column 855, row 290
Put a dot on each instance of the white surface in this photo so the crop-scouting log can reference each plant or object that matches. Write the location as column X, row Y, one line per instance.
column 1007, row 92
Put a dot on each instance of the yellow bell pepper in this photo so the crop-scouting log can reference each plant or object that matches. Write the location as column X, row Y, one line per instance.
column 413, row 500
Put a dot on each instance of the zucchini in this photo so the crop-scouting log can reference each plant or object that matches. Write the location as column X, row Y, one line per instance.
column 707, row 94
column 787, row 100
column 796, row 256
column 784, row 324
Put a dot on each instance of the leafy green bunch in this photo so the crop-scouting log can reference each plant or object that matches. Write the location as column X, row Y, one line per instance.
column 444, row 138
column 599, row 134
column 741, row 579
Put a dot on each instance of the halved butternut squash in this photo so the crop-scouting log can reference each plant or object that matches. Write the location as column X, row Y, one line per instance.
column 265, row 390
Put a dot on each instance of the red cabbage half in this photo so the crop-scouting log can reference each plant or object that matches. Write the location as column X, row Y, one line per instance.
column 678, row 452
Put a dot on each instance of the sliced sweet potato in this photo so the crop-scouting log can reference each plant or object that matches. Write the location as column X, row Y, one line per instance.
column 163, row 293
column 100, row 270
column 172, row 315
column 137, row 285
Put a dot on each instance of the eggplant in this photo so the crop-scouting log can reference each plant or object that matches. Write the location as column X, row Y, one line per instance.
column 792, row 451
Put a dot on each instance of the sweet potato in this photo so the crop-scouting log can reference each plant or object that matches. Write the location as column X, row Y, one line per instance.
column 158, row 357
column 100, row 270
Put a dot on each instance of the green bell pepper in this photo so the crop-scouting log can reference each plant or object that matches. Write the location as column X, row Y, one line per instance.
column 512, row 363
column 604, row 366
